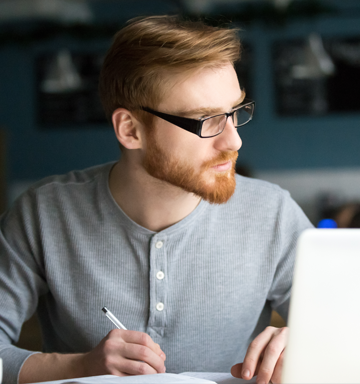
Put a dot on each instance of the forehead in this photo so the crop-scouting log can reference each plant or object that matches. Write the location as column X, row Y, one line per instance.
column 214, row 89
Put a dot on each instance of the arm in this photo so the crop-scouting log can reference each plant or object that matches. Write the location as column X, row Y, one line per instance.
column 22, row 282
column 120, row 353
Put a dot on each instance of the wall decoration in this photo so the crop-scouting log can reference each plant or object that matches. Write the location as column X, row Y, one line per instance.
column 316, row 76
column 67, row 90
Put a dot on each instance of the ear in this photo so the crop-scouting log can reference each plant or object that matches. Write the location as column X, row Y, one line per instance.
column 127, row 129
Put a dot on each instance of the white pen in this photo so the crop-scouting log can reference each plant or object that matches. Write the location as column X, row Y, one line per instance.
column 112, row 318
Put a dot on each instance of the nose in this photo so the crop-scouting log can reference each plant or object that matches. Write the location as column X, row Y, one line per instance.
column 229, row 139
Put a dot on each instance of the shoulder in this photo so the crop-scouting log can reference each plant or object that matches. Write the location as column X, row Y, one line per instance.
column 257, row 191
column 261, row 201
column 68, row 191
column 256, row 201
column 73, row 178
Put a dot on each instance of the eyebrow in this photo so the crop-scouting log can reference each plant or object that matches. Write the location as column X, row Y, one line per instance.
column 208, row 111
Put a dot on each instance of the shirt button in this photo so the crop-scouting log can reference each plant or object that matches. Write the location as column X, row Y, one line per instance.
column 159, row 306
column 160, row 275
column 159, row 244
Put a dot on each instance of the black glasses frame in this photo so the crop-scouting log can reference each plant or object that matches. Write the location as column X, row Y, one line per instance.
column 194, row 125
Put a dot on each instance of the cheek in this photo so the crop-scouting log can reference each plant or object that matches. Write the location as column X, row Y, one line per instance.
column 169, row 136
column 183, row 146
column 195, row 154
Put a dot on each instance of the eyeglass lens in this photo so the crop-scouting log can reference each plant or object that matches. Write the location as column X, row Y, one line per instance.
column 213, row 126
column 216, row 124
column 243, row 115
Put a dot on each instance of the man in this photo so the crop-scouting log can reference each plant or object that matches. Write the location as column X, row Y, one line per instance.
column 190, row 258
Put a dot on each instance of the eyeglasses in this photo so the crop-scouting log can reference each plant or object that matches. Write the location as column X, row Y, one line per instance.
column 213, row 125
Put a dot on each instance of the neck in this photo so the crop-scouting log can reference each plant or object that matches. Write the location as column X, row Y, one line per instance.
column 151, row 203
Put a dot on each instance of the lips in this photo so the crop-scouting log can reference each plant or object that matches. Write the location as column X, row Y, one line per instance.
column 222, row 167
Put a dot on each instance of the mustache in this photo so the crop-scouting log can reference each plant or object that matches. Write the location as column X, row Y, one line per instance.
column 222, row 158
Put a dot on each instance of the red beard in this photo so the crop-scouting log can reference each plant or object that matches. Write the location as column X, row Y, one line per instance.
column 214, row 187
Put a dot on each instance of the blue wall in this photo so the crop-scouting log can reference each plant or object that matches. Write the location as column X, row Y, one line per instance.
column 34, row 153
column 270, row 142
column 275, row 142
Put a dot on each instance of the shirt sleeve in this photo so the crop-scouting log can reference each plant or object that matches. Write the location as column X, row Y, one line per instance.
column 21, row 280
column 291, row 222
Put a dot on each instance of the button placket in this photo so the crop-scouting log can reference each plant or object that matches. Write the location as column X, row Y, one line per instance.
column 158, row 284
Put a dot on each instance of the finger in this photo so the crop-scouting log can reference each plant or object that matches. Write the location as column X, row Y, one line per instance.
column 133, row 367
column 276, row 377
column 271, row 356
column 257, row 368
column 124, row 341
column 141, row 338
column 143, row 354
column 236, row 370
column 160, row 352
column 253, row 354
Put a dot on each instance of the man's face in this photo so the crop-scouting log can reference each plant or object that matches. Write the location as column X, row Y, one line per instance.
column 205, row 167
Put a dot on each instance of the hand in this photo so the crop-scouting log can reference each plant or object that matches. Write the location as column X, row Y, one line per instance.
column 124, row 353
column 120, row 353
column 264, row 357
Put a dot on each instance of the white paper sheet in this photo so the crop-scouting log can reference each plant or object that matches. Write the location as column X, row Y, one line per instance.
column 219, row 378
column 161, row 378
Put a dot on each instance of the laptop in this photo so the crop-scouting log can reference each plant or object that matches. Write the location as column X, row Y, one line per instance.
column 324, row 318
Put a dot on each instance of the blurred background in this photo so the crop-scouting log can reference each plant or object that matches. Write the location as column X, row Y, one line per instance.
column 300, row 63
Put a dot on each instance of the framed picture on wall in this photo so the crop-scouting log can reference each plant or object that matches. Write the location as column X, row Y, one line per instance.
column 67, row 90
column 317, row 76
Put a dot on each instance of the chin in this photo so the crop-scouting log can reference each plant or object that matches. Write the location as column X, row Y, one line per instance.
column 219, row 190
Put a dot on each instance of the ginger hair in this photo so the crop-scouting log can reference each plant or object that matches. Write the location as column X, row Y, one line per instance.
column 146, row 49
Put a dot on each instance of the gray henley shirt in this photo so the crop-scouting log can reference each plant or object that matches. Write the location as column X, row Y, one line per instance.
column 67, row 250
